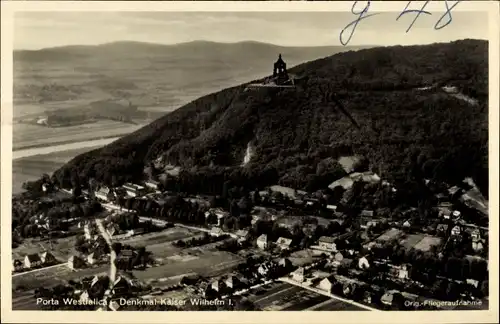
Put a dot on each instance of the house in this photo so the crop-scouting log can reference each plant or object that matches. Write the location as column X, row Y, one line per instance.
column 472, row 282
column 17, row 265
column 298, row 275
column 454, row 192
column 126, row 254
column 284, row 243
column 477, row 246
column 456, row 231
column 32, row 261
column 216, row 231
column 114, row 305
column 403, row 272
column 103, row 194
column 348, row 288
column 475, row 235
column 96, row 280
column 242, row 235
column 441, row 198
column 367, row 222
column 92, row 258
column 327, row 284
column 217, row 285
column 456, row 214
column 363, row 263
column 298, row 202
column 387, row 298
column 204, row 289
column 263, row 269
column 331, row 207
column 74, row 262
column 327, row 243
column 287, row 191
column 133, row 190
column 285, row 263
column 152, row 184
column 262, row 241
column 47, row 258
column 84, row 296
column 312, row 202
column 367, row 213
column 442, row 228
column 232, row 282
column 219, row 212
column 367, row 297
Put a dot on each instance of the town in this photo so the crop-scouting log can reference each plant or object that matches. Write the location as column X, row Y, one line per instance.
column 351, row 246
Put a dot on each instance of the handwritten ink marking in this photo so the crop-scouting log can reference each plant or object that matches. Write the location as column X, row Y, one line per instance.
column 446, row 14
column 361, row 15
column 418, row 12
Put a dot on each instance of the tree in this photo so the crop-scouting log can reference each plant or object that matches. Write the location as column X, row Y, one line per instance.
column 256, row 198
column 225, row 189
column 117, row 247
column 485, row 288
column 398, row 301
column 244, row 205
column 244, row 305
column 234, row 210
column 212, row 218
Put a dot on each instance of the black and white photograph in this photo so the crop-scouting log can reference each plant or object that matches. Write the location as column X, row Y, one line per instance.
column 251, row 160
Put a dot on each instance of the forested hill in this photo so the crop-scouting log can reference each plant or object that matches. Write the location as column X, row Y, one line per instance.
column 409, row 128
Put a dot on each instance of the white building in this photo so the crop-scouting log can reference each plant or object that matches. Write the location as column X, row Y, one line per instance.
column 327, row 284
column 363, row 263
column 262, row 241
column 298, row 275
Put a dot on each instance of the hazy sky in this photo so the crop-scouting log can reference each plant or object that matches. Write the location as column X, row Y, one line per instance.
column 34, row 30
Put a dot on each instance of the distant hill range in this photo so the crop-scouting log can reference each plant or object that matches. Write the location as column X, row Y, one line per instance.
column 408, row 127
column 151, row 75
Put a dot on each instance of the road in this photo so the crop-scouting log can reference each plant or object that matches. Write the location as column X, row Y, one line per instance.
column 40, row 269
column 112, row 260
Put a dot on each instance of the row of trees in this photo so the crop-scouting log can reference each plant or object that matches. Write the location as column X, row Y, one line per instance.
column 205, row 239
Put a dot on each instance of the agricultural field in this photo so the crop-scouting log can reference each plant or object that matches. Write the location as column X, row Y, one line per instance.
column 205, row 264
column 27, row 135
column 62, row 248
column 337, row 305
column 24, row 300
column 51, row 277
column 23, row 110
column 427, row 243
column 282, row 296
column 411, row 240
column 158, row 238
